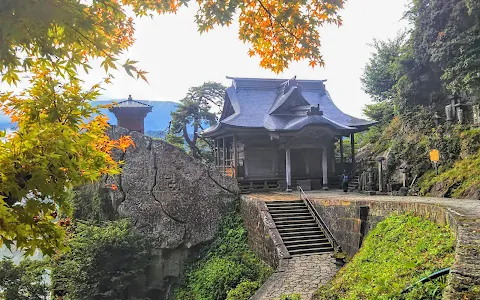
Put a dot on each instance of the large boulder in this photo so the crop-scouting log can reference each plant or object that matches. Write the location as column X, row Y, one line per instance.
column 174, row 200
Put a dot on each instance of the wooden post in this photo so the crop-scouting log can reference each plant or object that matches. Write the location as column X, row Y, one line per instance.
column 224, row 149
column 342, row 159
column 235, row 156
column 352, row 146
column 288, row 170
column 324, row 169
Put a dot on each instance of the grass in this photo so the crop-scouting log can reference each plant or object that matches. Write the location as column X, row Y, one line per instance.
column 398, row 252
column 462, row 176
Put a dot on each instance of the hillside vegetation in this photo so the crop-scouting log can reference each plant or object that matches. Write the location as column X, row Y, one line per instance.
column 412, row 79
column 401, row 250
column 227, row 268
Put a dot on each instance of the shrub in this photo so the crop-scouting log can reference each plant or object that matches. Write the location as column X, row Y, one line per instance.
column 243, row 291
column 227, row 268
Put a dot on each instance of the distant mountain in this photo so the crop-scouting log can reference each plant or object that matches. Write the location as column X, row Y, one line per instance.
column 155, row 122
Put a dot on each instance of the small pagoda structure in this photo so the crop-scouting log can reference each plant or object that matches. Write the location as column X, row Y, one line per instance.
column 131, row 114
column 275, row 132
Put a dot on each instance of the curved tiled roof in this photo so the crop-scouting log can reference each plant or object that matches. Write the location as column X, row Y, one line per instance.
column 263, row 103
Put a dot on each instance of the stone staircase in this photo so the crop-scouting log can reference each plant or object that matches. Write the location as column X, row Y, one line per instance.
column 298, row 229
column 354, row 183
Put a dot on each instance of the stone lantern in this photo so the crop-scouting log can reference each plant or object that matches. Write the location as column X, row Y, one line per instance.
column 370, row 183
column 404, row 169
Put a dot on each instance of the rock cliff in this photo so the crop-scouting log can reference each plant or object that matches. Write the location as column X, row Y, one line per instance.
column 172, row 199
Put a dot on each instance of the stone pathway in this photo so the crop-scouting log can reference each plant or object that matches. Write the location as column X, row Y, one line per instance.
column 300, row 274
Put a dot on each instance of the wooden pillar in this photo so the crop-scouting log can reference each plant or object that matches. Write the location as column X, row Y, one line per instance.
column 224, row 149
column 235, row 156
column 352, row 146
column 288, row 170
column 325, row 169
column 342, row 159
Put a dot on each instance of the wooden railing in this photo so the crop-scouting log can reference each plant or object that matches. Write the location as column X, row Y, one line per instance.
column 318, row 218
column 227, row 170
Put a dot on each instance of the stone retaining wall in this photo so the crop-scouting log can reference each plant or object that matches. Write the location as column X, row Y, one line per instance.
column 263, row 236
column 343, row 219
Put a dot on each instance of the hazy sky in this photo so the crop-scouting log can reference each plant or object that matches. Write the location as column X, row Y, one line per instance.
column 177, row 57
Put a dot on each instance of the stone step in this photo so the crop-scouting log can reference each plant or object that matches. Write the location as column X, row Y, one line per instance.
column 307, row 233
column 298, row 230
column 284, row 202
column 281, row 214
column 306, row 241
column 311, row 235
column 310, row 250
column 288, row 211
column 293, row 218
column 297, row 224
column 307, row 246
column 300, row 220
column 291, row 206
column 286, row 206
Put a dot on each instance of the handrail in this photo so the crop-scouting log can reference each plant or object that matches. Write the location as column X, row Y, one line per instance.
column 317, row 217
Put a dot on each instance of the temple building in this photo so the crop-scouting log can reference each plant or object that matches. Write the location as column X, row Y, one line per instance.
column 131, row 114
column 276, row 133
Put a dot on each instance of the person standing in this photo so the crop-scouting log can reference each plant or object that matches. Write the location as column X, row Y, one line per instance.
column 345, row 181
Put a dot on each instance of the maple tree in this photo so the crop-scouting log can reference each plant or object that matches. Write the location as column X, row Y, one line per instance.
column 59, row 143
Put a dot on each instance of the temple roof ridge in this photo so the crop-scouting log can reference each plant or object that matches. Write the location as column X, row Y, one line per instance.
column 132, row 103
column 277, row 104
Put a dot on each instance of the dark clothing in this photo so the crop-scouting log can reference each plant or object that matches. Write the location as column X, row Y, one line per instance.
column 345, row 183
column 345, row 186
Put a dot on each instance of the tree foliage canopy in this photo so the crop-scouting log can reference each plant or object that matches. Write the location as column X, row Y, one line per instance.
column 195, row 110
column 106, row 261
column 440, row 57
column 447, row 34
column 380, row 74
column 25, row 281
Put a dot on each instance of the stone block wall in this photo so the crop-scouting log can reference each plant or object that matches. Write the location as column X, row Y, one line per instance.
column 263, row 236
column 343, row 219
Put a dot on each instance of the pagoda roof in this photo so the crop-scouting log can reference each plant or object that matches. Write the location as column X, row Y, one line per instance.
column 131, row 103
column 282, row 105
